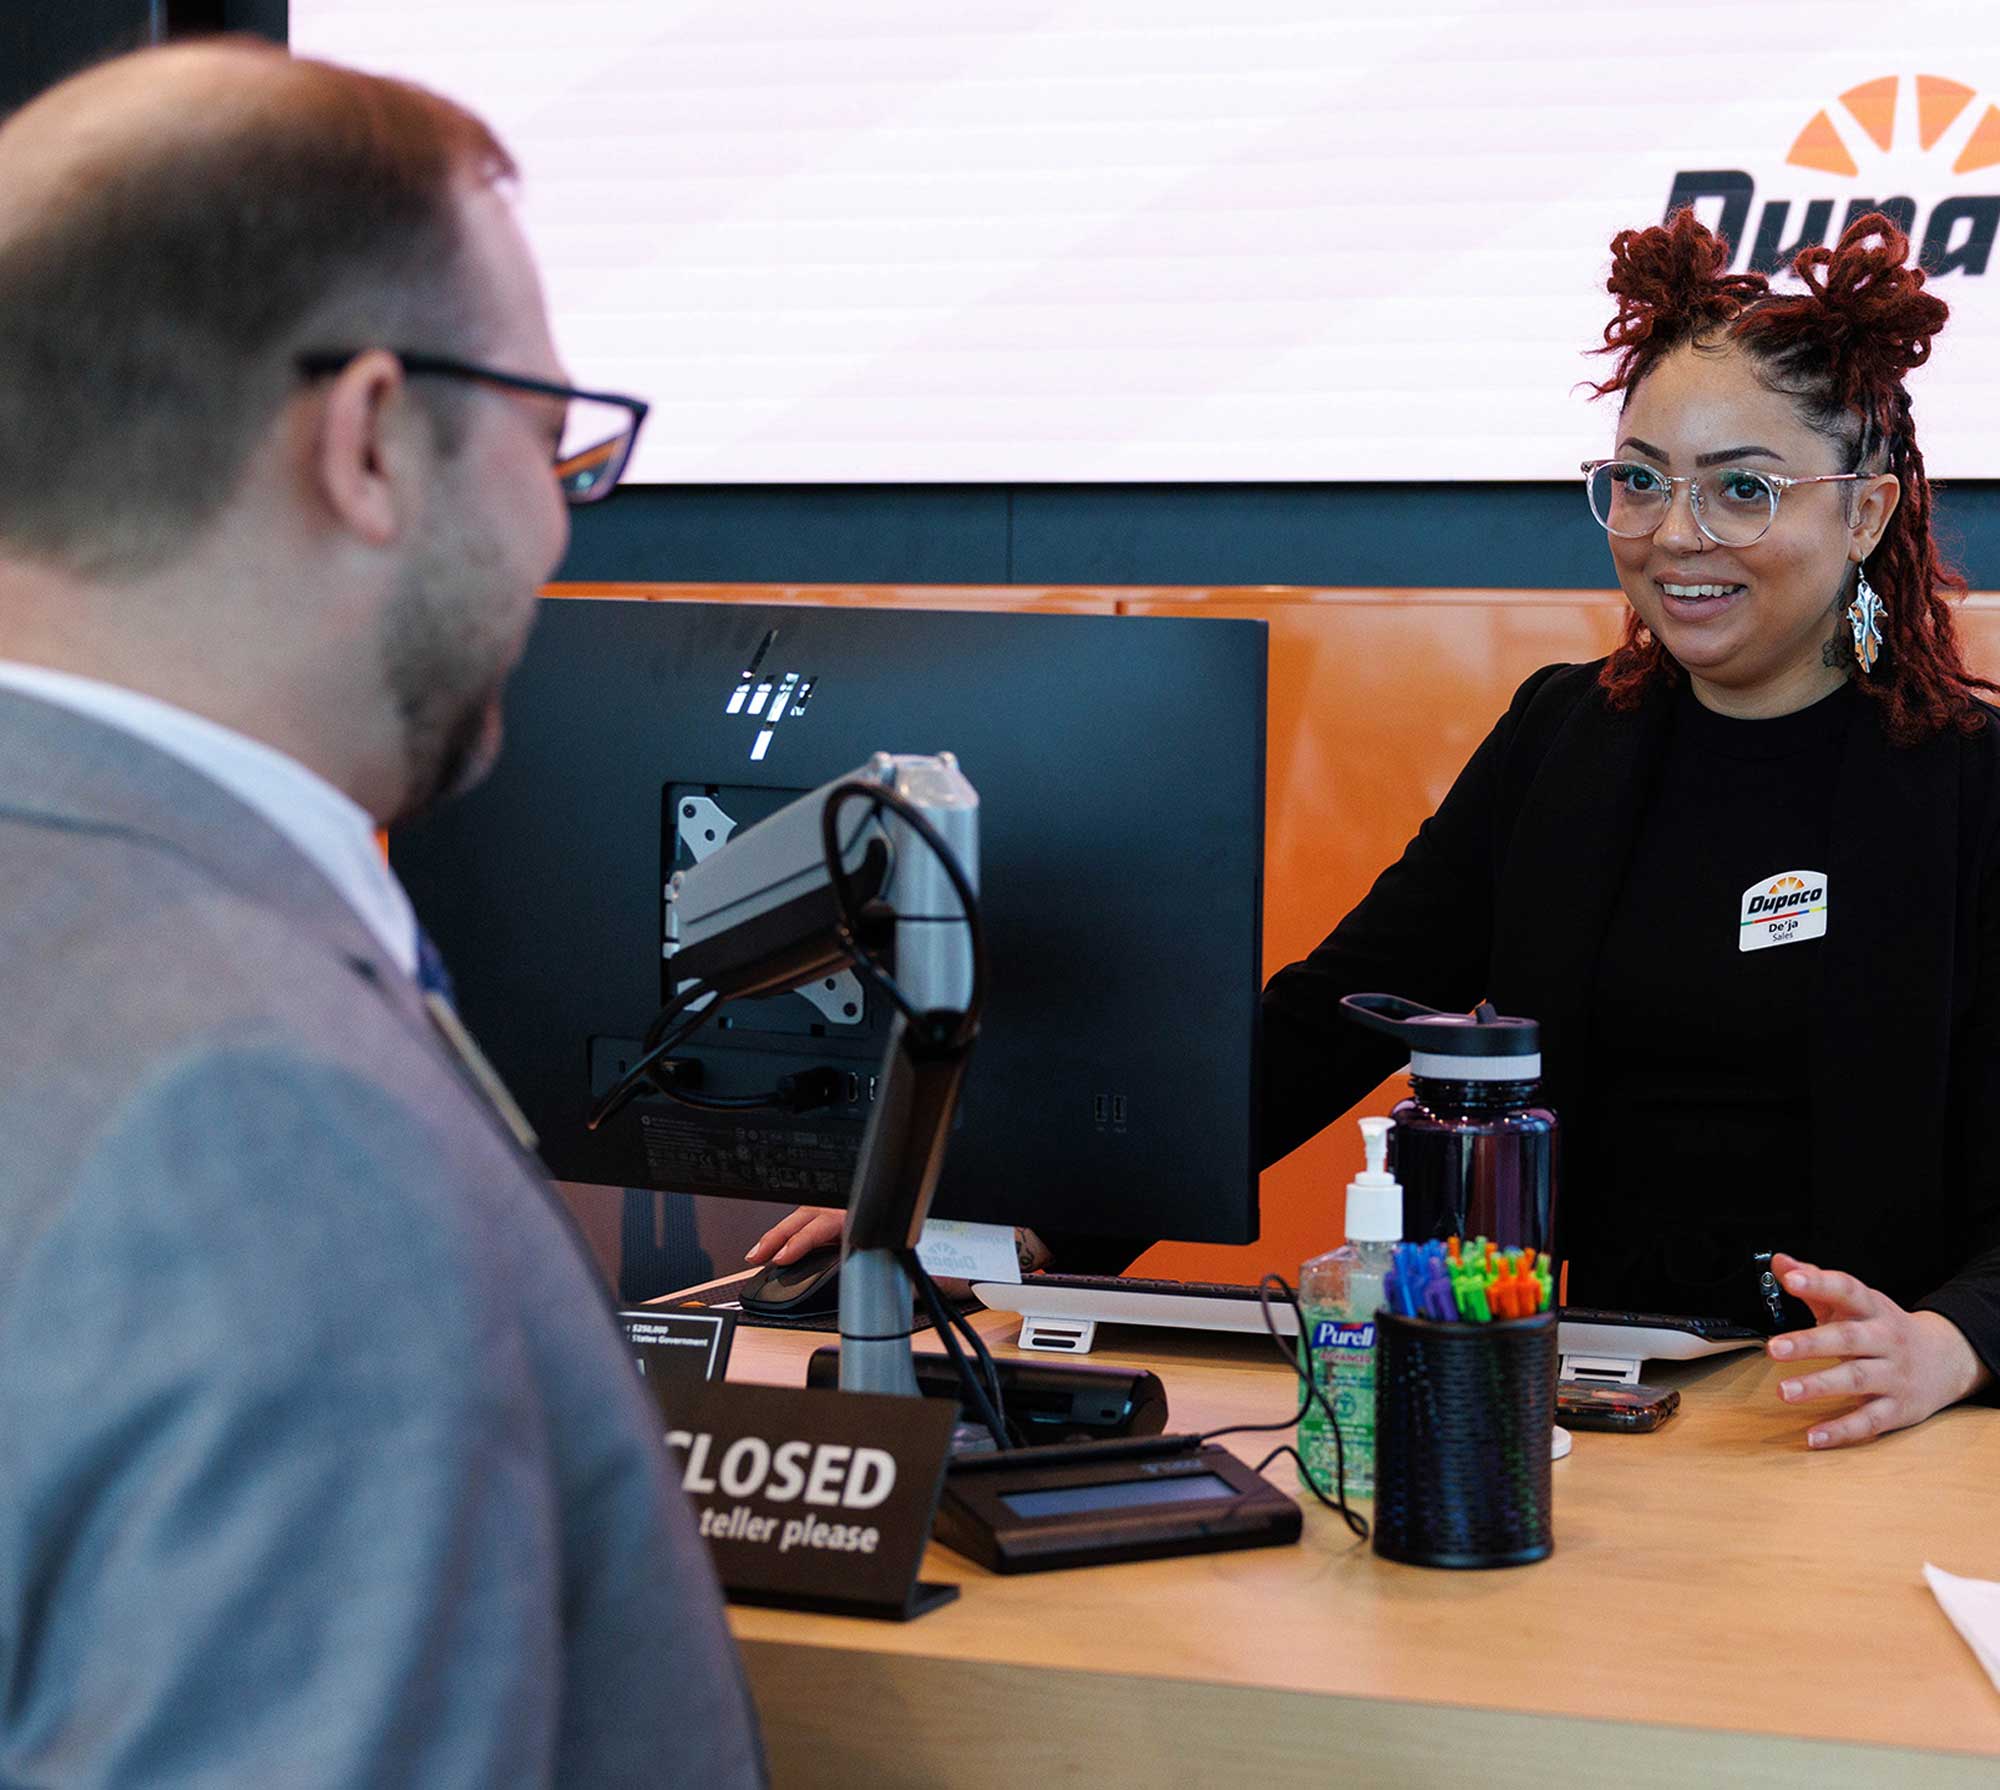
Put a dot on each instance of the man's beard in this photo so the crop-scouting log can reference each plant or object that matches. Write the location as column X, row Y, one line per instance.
column 455, row 752
column 445, row 665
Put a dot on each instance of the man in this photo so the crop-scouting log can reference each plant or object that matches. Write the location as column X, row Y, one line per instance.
column 324, row 1462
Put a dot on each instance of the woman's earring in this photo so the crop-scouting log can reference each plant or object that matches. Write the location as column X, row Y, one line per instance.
column 1865, row 615
column 1643, row 637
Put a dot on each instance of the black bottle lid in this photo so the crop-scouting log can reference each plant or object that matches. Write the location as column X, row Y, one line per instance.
column 1478, row 1046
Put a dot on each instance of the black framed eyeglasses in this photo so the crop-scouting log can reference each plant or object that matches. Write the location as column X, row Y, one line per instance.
column 599, row 428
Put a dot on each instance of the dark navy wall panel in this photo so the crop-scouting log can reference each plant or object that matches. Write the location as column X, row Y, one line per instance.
column 809, row 534
column 1473, row 536
column 1968, row 522
column 1476, row 535
column 269, row 18
column 41, row 41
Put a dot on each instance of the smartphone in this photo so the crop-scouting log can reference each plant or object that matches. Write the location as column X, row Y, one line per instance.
column 1586, row 1405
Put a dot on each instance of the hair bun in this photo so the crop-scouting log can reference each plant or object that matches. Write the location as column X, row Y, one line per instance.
column 1671, row 282
column 1864, row 308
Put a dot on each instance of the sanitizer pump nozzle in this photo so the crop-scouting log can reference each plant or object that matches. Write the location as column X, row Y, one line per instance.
column 1375, row 1197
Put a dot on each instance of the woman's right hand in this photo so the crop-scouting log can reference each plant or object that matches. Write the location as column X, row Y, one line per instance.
column 806, row 1228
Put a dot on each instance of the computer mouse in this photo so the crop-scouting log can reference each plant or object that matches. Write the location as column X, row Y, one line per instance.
column 806, row 1288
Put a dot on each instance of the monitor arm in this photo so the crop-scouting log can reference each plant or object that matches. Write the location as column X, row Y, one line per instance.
column 761, row 916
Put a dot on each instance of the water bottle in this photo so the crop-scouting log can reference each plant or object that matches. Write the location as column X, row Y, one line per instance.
column 1339, row 1294
column 1474, row 1149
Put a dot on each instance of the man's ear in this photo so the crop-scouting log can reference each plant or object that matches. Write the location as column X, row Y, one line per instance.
column 360, row 457
column 1872, row 510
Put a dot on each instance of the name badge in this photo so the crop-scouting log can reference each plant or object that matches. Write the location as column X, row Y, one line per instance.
column 1786, row 909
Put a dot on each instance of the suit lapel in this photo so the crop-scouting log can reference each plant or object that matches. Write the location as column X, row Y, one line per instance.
column 64, row 769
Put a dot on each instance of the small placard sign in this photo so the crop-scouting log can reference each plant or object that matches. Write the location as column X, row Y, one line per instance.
column 815, row 1500
column 676, row 1348
column 954, row 1249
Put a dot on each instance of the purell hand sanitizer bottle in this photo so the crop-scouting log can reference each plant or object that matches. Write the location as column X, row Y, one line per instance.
column 1340, row 1293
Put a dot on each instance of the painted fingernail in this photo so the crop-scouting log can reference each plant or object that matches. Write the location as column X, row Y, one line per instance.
column 1790, row 1389
column 1781, row 1348
column 1816, row 1439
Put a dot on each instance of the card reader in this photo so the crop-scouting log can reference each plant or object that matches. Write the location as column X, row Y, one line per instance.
column 1048, row 1401
column 1094, row 1503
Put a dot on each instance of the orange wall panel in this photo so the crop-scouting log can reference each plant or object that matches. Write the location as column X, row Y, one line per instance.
column 1078, row 601
column 1377, row 699
column 1979, row 633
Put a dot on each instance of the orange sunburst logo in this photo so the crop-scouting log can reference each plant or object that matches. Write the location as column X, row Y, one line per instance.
column 1786, row 884
column 1872, row 107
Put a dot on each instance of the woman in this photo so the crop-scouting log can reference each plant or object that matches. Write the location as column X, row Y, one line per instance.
column 1788, row 715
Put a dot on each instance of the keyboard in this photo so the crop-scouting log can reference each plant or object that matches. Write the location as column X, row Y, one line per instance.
column 1062, row 1311
column 1712, row 1330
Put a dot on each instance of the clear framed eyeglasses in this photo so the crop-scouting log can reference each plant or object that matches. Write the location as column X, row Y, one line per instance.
column 1733, row 505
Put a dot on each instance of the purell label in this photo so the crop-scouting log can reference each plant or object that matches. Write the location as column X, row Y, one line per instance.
column 1786, row 909
column 1329, row 1333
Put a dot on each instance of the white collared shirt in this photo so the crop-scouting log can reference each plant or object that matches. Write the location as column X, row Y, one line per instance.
column 331, row 829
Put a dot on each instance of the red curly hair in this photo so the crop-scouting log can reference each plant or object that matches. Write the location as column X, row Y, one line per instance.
column 1839, row 350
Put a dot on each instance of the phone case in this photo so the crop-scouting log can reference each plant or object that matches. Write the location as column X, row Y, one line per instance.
column 1630, row 1408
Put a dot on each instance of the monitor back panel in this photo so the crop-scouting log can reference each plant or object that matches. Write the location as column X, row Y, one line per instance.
column 1120, row 767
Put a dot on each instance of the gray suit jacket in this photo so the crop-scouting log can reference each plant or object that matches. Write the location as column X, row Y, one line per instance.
column 321, row 1460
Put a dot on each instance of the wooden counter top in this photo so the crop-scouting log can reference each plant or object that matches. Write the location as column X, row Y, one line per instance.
column 1721, row 1606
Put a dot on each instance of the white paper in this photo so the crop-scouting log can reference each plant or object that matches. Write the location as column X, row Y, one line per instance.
column 950, row 1249
column 1974, row 1608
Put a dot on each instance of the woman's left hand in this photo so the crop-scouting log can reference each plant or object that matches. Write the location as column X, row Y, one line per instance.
column 1902, row 1365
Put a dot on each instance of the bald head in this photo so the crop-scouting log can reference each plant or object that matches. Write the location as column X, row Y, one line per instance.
column 177, row 227
column 163, row 99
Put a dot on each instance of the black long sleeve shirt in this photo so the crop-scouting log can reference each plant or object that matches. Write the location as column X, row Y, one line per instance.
column 1549, row 882
column 1693, row 1157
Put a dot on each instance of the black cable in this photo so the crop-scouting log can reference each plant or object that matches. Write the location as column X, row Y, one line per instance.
column 1312, row 1485
column 976, row 1394
column 963, row 1323
column 657, row 1051
column 981, row 1397
column 879, row 797
column 970, row 1331
column 893, row 1336
column 718, row 1103
column 674, row 1008
column 1299, row 1360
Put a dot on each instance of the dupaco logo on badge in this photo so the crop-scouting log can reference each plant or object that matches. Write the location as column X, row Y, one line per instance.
column 1328, row 1333
column 1787, row 910
column 1905, row 145
column 768, row 697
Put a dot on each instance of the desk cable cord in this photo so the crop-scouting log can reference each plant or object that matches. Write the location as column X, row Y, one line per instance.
column 981, row 1388
column 1310, row 1391
column 663, row 1038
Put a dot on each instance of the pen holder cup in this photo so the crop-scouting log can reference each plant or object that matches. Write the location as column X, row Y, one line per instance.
column 1463, row 1419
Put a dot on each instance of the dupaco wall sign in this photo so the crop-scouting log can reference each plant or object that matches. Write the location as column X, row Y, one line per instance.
column 1923, row 149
